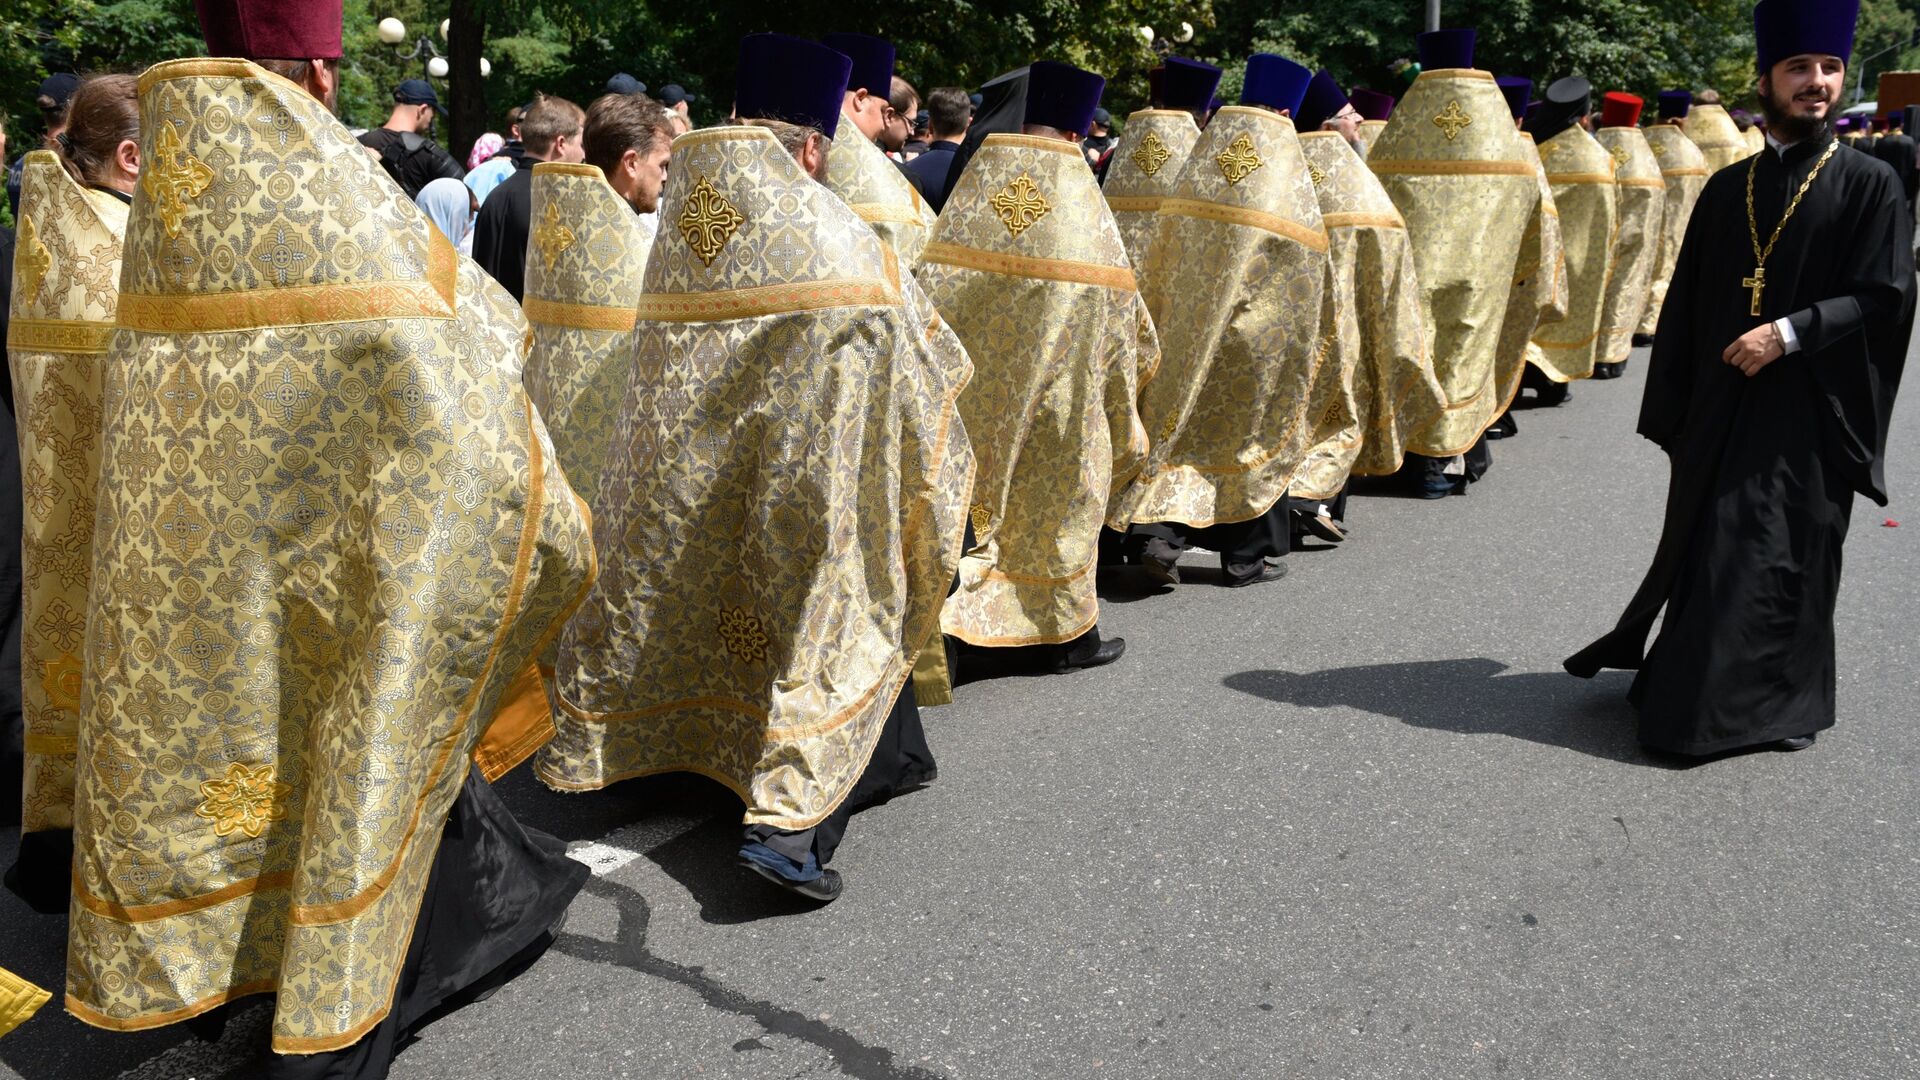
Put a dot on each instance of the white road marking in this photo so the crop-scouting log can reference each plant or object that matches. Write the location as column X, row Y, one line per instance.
column 604, row 859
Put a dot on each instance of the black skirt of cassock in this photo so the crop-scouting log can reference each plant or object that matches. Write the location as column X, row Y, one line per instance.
column 495, row 891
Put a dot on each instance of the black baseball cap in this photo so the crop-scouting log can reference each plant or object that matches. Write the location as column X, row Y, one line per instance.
column 1103, row 117
column 59, row 87
column 624, row 83
column 417, row 92
column 673, row 94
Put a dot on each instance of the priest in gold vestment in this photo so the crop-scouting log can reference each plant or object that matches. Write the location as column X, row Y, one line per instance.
column 1539, row 293
column 66, row 285
column 1640, row 196
column 1251, row 379
column 1684, row 168
column 858, row 171
column 1454, row 166
column 1153, row 149
column 1581, row 172
column 330, row 536
column 1028, row 268
column 781, row 509
column 1712, row 129
column 1375, row 109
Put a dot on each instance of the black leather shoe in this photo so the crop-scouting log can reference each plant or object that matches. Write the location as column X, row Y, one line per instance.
column 1324, row 527
column 1159, row 571
column 1798, row 742
column 1106, row 652
column 1641, row 341
column 824, row 889
column 1272, row 571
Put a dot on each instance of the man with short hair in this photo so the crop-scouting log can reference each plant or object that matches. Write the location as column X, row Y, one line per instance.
column 859, row 170
column 408, row 155
column 550, row 131
column 903, row 101
column 949, row 113
column 629, row 138
column 1770, row 388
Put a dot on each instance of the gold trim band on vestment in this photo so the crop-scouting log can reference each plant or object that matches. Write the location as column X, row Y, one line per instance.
column 1645, row 182
column 766, row 300
column 1582, row 343
column 1451, row 168
column 1362, row 219
column 1685, row 172
column 304, row 305
column 568, row 168
column 59, row 335
column 1457, row 73
column 871, row 212
column 52, row 745
column 1582, row 178
column 578, row 316
column 1034, row 142
column 1145, row 204
column 1030, row 266
column 1255, row 219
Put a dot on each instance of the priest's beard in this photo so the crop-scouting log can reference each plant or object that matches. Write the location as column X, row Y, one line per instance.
column 1790, row 127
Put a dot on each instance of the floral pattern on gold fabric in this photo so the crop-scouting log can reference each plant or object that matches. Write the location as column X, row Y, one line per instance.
column 330, row 535
column 874, row 187
column 57, row 403
column 173, row 177
column 1684, row 167
column 1151, row 154
column 1232, row 401
column 1020, row 204
column 981, row 517
column 788, row 482
column 1719, row 139
column 32, row 261
column 1052, row 409
column 708, row 220
column 1238, row 160
column 1452, row 120
column 740, row 632
column 1133, row 193
column 552, row 237
column 1468, row 202
column 246, row 800
column 1539, row 293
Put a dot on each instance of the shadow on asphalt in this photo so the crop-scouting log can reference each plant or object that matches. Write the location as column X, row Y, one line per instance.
column 1472, row 697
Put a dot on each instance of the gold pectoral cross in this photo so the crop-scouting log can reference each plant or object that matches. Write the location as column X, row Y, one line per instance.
column 1758, row 283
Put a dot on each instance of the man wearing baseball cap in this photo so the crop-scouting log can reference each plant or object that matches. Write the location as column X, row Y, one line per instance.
column 408, row 155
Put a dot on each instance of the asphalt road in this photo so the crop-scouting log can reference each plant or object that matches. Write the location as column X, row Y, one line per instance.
column 1356, row 824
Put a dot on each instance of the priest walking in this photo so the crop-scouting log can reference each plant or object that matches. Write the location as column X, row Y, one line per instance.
column 1771, row 383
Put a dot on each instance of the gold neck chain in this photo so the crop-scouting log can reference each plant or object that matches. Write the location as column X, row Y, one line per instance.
column 1758, row 282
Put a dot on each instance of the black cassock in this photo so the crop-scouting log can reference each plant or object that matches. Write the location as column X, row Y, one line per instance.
column 1764, row 468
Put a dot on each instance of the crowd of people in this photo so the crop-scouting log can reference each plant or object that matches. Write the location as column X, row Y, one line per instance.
column 354, row 478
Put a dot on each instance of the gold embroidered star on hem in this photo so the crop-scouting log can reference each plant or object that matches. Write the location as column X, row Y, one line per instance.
column 173, row 177
column 1453, row 120
column 1020, row 204
column 1151, row 153
column 33, row 261
column 1238, row 160
column 245, row 801
column 552, row 237
column 708, row 221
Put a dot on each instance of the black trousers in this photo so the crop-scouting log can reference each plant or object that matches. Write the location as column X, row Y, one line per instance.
column 1243, row 545
column 901, row 760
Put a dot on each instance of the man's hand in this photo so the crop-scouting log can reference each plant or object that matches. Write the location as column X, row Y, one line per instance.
column 1756, row 349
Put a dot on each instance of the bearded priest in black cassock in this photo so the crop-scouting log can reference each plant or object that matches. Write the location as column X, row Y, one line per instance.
column 1770, row 390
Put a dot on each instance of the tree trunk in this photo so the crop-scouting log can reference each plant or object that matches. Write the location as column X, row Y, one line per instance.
column 466, row 91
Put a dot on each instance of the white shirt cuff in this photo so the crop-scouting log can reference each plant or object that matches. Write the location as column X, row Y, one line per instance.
column 1789, row 341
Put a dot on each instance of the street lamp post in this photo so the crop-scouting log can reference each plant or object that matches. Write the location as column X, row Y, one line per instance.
column 394, row 32
column 1433, row 15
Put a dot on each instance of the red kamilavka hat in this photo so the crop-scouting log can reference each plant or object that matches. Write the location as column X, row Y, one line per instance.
column 272, row 29
column 1620, row 110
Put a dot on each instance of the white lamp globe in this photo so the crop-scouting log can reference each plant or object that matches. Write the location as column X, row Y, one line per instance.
column 444, row 23
column 1146, row 34
column 1185, row 34
column 437, row 67
column 486, row 68
column 392, row 31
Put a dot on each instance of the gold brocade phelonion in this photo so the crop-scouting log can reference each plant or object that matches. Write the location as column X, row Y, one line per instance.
column 1369, row 134
column 1758, row 282
column 1145, row 166
column 1717, row 136
column 1640, row 195
column 66, row 289
column 1581, row 174
column 1540, row 290
column 1239, row 287
column 1386, row 388
column 783, row 499
column 1684, row 168
column 331, row 536
column 1451, row 161
column 1027, row 267
column 869, row 182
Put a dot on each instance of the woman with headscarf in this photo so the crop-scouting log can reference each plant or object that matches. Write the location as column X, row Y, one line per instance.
column 451, row 205
column 484, row 148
